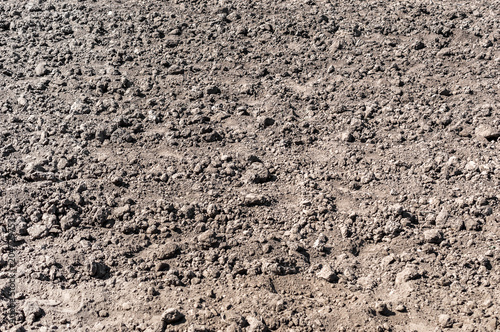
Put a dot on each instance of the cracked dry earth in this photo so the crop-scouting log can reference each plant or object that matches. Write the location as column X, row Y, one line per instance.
column 201, row 165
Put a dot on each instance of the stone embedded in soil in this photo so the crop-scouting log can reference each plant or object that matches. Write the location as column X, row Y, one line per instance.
column 319, row 243
column 97, row 269
column 198, row 328
column 433, row 236
column 445, row 321
column 167, row 251
column 382, row 309
column 120, row 211
column 256, row 325
column 207, row 239
column 400, row 307
column 257, row 173
column 170, row 316
column 161, row 266
column 328, row 274
column 408, row 273
column 347, row 136
column 255, row 199
column 69, row 220
column 212, row 90
column 32, row 311
column 488, row 132
column 38, row 231
column 40, row 69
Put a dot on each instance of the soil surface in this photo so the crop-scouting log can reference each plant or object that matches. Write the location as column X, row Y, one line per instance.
column 274, row 165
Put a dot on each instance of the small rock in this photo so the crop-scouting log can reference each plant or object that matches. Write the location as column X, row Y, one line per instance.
column 213, row 90
column 97, row 269
column 445, row 321
column 38, row 231
column 241, row 30
column 126, row 306
column 257, row 173
column 418, row 45
column 387, row 260
column 22, row 101
column 22, row 227
column 161, row 266
column 407, row 274
column 103, row 313
column 320, row 242
column 381, row 309
column 207, row 239
column 401, row 308
column 442, row 217
column 198, row 328
column 170, row 316
column 256, row 325
column 117, row 181
column 472, row 224
column 445, row 92
column 433, row 236
column 328, row 274
column 487, row 132
column 120, row 211
column 175, row 32
column 32, row 312
column 167, row 251
column 40, row 69
column 444, row 52
column 253, row 200
column 346, row 136
column 69, row 220
column 265, row 121
column 212, row 210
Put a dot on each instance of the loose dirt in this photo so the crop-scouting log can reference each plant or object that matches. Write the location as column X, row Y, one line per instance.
column 199, row 165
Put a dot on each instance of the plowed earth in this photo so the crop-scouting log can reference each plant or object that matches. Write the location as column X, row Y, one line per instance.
column 250, row 165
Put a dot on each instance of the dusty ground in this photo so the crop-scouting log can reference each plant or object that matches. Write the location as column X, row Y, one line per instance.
column 250, row 165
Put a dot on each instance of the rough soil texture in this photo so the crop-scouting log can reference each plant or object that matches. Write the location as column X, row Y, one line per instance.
column 250, row 165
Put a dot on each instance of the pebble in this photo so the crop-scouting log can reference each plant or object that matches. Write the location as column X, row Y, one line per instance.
column 170, row 316
column 22, row 101
column 407, row 274
column 346, row 136
column 97, row 269
column 120, row 211
column 328, row 274
column 488, row 132
column 213, row 90
column 257, row 173
column 442, row 217
column 433, row 236
column 38, row 231
column 400, row 307
column 32, row 311
column 381, row 309
column 255, row 325
column 320, row 242
column 68, row 221
column 40, row 69
column 167, row 251
column 445, row 321
column 254, row 199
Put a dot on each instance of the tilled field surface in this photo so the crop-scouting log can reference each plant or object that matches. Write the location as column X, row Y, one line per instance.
column 250, row 165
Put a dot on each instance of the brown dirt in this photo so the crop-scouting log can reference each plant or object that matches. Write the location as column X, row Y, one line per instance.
column 200, row 165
